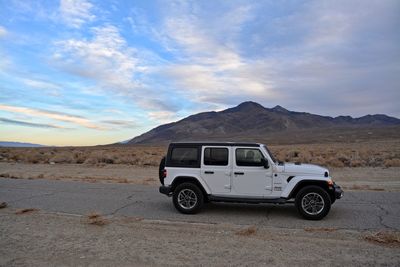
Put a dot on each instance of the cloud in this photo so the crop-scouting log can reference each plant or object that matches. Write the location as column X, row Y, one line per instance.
column 78, row 120
column 105, row 59
column 305, row 59
column 3, row 32
column 121, row 123
column 30, row 124
column 108, row 61
column 210, row 68
column 41, row 84
column 52, row 88
column 76, row 12
column 163, row 116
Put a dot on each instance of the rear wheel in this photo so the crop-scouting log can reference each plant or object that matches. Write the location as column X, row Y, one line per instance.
column 313, row 202
column 188, row 198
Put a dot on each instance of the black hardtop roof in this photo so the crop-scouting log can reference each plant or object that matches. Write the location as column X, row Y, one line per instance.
column 211, row 143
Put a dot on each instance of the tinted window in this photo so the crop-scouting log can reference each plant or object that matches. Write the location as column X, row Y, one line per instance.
column 187, row 156
column 248, row 157
column 216, row 156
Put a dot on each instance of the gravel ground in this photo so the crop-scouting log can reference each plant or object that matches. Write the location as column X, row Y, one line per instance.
column 38, row 238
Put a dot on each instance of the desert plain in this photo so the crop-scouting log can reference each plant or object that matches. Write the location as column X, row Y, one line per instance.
column 94, row 238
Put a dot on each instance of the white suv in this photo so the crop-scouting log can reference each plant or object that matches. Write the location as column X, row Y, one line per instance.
column 197, row 172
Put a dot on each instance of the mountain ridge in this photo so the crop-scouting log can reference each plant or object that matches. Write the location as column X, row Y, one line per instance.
column 252, row 119
column 18, row 144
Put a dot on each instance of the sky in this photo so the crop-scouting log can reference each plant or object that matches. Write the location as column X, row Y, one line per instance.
column 86, row 72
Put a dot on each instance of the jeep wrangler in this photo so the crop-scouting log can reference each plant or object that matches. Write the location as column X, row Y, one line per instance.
column 197, row 172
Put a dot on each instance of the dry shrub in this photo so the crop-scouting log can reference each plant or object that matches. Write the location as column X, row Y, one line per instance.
column 3, row 205
column 24, row 211
column 34, row 157
column 99, row 157
column 356, row 163
column 392, row 162
column 335, row 163
column 383, row 237
column 63, row 157
column 79, row 156
column 96, row 219
column 323, row 229
column 372, row 154
column 122, row 181
column 249, row 231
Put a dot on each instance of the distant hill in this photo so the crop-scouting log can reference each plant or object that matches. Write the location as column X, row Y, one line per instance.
column 250, row 120
column 18, row 144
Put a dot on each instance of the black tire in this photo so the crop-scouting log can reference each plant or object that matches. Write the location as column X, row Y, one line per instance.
column 161, row 170
column 192, row 206
column 313, row 202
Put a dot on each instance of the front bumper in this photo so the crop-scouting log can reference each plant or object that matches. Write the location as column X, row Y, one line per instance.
column 166, row 190
column 338, row 191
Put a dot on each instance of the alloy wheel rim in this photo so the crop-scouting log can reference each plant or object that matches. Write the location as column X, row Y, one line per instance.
column 312, row 203
column 187, row 199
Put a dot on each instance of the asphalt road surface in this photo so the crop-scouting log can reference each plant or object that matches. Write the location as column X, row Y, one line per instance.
column 358, row 210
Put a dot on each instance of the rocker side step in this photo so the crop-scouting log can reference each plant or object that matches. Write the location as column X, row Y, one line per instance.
column 247, row 200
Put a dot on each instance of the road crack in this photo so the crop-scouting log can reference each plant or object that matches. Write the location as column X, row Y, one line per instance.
column 123, row 207
column 380, row 217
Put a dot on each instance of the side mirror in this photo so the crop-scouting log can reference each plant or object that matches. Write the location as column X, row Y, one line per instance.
column 265, row 163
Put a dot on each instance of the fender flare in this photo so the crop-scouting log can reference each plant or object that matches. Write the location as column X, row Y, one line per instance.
column 191, row 178
column 299, row 182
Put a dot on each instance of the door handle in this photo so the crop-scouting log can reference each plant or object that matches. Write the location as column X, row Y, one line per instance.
column 239, row 173
column 209, row 172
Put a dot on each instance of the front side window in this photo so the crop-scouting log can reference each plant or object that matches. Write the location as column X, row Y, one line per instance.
column 216, row 156
column 249, row 157
column 187, row 156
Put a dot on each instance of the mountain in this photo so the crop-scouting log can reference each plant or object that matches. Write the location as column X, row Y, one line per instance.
column 249, row 120
column 18, row 144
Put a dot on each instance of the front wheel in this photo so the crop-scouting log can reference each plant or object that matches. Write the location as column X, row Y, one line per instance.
column 188, row 198
column 313, row 202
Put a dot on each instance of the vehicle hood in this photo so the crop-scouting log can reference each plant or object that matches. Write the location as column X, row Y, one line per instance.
column 304, row 169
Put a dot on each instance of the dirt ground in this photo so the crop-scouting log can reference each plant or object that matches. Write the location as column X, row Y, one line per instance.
column 359, row 178
column 37, row 239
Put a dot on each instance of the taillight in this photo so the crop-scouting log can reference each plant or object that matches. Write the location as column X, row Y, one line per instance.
column 164, row 173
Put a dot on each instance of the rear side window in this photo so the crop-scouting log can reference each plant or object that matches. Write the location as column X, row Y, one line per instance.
column 184, row 157
column 216, row 156
column 248, row 157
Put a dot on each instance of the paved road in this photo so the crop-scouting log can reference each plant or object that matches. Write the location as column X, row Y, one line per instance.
column 357, row 210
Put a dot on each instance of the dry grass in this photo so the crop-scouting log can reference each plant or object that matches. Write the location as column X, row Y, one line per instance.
column 367, row 154
column 249, row 231
column 24, row 211
column 382, row 153
column 383, row 237
column 323, row 229
column 96, row 219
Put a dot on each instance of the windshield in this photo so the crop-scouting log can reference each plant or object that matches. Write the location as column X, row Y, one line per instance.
column 270, row 154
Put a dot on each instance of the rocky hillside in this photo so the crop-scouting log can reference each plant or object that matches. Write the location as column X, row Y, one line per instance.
column 250, row 119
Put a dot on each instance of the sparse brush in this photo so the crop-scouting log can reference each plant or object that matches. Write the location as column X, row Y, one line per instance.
column 96, row 219
column 383, row 237
column 365, row 154
column 24, row 211
column 249, row 231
